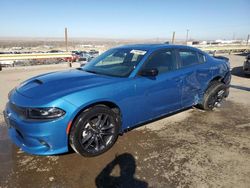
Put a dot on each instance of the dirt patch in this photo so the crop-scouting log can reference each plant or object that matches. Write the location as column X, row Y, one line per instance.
column 210, row 149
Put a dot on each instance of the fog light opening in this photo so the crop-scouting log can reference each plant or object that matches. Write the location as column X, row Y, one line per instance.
column 19, row 133
column 44, row 143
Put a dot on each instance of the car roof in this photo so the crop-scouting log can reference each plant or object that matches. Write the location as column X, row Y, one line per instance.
column 153, row 47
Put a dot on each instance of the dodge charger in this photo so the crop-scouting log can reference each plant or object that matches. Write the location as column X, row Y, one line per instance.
column 87, row 108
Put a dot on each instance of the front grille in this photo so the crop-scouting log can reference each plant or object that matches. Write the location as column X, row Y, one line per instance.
column 18, row 110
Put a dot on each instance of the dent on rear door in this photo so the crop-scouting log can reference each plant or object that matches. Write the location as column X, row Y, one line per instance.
column 195, row 83
column 191, row 86
column 204, row 75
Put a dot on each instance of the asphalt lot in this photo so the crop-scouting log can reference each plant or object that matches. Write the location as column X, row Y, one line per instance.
column 192, row 148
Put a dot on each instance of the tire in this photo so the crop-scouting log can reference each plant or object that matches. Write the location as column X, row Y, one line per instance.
column 213, row 96
column 94, row 131
column 247, row 75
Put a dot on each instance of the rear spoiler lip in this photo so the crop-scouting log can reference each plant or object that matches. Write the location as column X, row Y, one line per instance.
column 225, row 59
column 222, row 58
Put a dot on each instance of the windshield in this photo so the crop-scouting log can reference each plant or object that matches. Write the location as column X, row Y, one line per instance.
column 116, row 62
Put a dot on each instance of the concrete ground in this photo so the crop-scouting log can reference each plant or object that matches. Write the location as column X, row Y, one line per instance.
column 192, row 148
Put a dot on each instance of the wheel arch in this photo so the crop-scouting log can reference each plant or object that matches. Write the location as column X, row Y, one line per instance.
column 216, row 78
column 113, row 106
column 207, row 85
column 224, row 79
column 71, row 131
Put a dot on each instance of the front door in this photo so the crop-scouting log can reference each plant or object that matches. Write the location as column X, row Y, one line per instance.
column 160, row 94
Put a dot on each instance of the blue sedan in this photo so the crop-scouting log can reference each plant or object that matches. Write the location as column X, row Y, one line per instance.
column 86, row 108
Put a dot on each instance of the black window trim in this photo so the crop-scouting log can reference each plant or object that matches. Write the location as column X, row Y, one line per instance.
column 179, row 61
column 203, row 56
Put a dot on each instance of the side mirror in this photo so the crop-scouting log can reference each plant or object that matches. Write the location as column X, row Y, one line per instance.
column 149, row 72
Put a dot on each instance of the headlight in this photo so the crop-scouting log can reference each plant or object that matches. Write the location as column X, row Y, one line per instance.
column 44, row 113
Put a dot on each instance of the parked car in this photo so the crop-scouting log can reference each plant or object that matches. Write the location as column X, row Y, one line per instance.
column 246, row 66
column 7, row 63
column 55, row 51
column 93, row 53
column 75, row 57
column 88, row 107
column 84, row 58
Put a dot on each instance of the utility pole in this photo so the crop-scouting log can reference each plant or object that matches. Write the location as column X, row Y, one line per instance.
column 173, row 37
column 66, row 45
column 248, row 37
column 187, row 36
column 66, row 38
column 233, row 35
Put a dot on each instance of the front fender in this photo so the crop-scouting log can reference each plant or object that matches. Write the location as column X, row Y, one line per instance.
column 121, row 95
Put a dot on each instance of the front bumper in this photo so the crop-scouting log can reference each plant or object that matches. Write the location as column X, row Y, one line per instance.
column 37, row 137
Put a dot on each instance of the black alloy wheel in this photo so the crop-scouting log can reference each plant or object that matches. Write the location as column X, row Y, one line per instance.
column 214, row 95
column 216, row 99
column 94, row 131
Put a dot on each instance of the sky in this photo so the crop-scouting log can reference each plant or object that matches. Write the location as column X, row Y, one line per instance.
column 205, row 19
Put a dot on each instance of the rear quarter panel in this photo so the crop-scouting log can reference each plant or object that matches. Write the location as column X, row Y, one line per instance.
column 218, row 69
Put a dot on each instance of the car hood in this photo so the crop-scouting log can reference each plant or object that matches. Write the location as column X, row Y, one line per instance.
column 61, row 83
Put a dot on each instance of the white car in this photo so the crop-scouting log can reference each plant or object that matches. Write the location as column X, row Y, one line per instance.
column 7, row 63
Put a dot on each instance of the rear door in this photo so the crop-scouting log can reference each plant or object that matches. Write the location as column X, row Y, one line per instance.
column 194, row 75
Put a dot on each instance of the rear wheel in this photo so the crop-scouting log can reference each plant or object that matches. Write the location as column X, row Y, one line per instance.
column 94, row 131
column 214, row 95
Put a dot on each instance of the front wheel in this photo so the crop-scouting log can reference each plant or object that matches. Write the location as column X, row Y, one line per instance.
column 94, row 131
column 214, row 95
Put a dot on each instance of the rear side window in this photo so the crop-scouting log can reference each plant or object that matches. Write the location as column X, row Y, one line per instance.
column 163, row 61
column 201, row 58
column 188, row 58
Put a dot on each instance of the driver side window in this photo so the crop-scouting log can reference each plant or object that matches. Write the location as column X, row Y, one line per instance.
column 163, row 61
